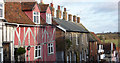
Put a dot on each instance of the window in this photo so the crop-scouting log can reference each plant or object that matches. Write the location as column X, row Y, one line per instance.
column 82, row 38
column 50, row 48
column 37, row 51
column 36, row 17
column 86, row 39
column 77, row 40
column 48, row 18
column 1, row 10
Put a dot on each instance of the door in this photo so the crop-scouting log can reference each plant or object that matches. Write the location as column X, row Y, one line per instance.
column 75, row 58
column 6, row 52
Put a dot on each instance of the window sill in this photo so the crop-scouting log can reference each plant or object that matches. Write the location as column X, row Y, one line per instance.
column 37, row 58
column 50, row 53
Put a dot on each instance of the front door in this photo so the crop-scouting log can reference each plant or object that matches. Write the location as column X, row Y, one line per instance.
column 6, row 52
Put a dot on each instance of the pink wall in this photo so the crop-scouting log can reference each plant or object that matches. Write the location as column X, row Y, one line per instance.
column 41, row 35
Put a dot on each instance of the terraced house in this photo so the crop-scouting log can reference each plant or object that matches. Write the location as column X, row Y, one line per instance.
column 26, row 27
column 71, row 38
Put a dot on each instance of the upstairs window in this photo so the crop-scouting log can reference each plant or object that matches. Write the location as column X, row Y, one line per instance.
column 1, row 10
column 50, row 48
column 77, row 40
column 36, row 17
column 48, row 18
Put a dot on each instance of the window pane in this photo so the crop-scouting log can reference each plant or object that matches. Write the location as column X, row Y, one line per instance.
column 35, row 53
column 1, row 11
column 39, row 52
column 51, row 49
column 48, row 45
column 35, row 47
column 35, row 19
column 48, row 49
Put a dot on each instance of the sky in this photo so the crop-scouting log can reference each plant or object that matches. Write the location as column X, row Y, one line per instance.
column 96, row 15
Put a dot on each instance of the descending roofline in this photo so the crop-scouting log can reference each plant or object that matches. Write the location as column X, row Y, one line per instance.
column 61, row 28
column 77, row 31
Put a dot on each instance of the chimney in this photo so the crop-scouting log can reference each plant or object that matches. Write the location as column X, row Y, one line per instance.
column 65, row 14
column 53, row 9
column 69, row 17
column 78, row 19
column 58, row 14
column 41, row 1
column 74, row 18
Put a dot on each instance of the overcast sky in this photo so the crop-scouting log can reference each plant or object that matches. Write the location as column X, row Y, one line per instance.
column 96, row 15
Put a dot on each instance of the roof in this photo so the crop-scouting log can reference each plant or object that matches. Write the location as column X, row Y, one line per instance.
column 14, row 13
column 92, row 37
column 43, row 7
column 70, row 26
column 27, row 5
column 99, row 41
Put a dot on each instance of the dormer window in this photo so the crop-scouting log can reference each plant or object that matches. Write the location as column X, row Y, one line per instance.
column 36, row 17
column 48, row 18
column 1, row 10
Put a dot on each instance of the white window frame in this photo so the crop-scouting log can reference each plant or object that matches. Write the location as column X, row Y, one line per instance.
column 77, row 39
column 48, row 18
column 37, row 51
column 36, row 16
column 2, row 10
column 51, row 46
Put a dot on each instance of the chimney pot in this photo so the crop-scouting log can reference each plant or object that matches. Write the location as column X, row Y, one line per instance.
column 69, row 17
column 74, row 18
column 51, row 4
column 64, row 9
column 78, row 19
column 58, row 7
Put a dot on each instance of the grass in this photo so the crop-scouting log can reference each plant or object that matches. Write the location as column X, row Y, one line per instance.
column 115, row 41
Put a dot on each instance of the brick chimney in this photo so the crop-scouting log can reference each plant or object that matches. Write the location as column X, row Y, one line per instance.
column 53, row 9
column 65, row 14
column 41, row 1
column 69, row 17
column 78, row 19
column 58, row 14
column 74, row 18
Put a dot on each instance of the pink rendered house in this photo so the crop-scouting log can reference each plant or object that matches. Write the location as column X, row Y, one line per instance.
column 33, row 30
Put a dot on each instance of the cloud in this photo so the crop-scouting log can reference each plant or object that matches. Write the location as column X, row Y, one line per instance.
column 96, row 15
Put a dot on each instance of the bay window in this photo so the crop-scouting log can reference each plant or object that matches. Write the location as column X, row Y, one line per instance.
column 37, row 51
column 50, row 48
column 36, row 17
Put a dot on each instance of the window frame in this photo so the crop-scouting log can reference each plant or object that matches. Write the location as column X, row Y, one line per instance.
column 48, row 18
column 51, row 46
column 37, row 51
column 36, row 16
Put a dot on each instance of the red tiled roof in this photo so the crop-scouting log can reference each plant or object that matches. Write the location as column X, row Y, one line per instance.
column 42, row 21
column 43, row 7
column 14, row 13
column 28, row 5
